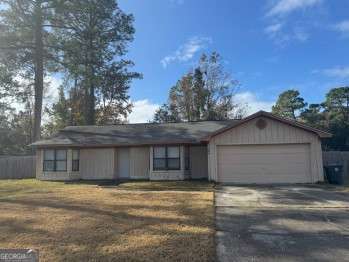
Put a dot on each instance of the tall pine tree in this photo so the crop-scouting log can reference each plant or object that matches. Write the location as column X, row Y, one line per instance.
column 26, row 45
column 94, row 39
column 288, row 104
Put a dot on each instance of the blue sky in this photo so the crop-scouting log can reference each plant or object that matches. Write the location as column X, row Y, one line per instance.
column 268, row 45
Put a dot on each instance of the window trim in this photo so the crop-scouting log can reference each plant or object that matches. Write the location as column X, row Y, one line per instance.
column 166, row 158
column 55, row 160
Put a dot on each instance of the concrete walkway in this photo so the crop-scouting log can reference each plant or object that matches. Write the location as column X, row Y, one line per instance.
column 290, row 223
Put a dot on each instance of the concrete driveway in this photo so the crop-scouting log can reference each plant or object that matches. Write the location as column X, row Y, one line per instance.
column 282, row 223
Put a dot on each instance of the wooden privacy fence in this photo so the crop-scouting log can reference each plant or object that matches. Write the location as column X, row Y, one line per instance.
column 15, row 167
column 337, row 158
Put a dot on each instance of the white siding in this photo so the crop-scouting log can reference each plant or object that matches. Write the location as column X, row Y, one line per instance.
column 275, row 132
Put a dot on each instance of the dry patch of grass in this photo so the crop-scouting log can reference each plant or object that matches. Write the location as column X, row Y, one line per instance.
column 138, row 221
column 342, row 189
column 168, row 185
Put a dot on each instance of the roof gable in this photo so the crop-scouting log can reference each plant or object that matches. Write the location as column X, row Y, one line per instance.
column 320, row 133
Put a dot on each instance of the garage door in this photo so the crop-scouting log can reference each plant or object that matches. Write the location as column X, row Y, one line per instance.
column 260, row 164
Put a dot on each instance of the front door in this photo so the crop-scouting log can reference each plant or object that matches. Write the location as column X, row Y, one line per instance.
column 123, row 163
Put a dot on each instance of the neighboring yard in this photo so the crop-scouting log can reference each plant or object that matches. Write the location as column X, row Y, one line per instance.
column 138, row 221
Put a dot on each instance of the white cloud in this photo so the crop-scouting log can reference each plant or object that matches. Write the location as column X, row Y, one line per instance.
column 51, row 94
column 252, row 102
column 187, row 51
column 339, row 72
column 142, row 111
column 52, row 83
column 282, row 30
column 282, row 37
column 342, row 27
column 274, row 28
column 283, row 7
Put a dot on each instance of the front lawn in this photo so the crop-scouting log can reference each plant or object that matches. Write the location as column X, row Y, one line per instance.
column 136, row 221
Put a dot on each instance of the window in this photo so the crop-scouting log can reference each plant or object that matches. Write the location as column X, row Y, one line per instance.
column 49, row 160
column 187, row 157
column 55, row 160
column 61, row 160
column 159, row 162
column 75, row 160
column 166, row 158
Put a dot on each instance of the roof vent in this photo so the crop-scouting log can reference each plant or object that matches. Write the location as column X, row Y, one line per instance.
column 261, row 123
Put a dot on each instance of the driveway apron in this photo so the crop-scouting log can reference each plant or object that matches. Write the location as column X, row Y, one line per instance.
column 282, row 223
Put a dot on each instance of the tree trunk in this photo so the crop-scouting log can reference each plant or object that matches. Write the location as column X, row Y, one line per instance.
column 39, row 71
column 91, row 102
column 90, row 88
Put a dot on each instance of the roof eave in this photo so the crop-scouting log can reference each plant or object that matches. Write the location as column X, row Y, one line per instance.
column 119, row 145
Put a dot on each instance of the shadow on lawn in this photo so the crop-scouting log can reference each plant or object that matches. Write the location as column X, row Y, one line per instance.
column 188, row 185
column 109, row 231
column 102, row 183
column 146, row 185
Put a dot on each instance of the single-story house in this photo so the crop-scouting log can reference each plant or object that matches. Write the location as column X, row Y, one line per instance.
column 261, row 148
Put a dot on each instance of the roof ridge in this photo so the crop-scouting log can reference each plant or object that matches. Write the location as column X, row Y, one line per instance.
column 167, row 123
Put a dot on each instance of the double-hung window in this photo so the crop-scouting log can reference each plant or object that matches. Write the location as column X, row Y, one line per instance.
column 55, row 160
column 166, row 158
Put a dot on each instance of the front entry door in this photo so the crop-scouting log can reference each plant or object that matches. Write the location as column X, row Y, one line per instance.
column 124, row 163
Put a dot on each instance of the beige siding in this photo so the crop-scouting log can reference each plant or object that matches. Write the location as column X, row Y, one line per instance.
column 39, row 162
column 275, row 132
column 59, row 176
column 98, row 163
column 123, row 163
column 139, row 162
column 198, row 162
column 55, row 176
column 260, row 164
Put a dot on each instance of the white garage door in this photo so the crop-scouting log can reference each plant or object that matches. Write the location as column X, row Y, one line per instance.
column 284, row 163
